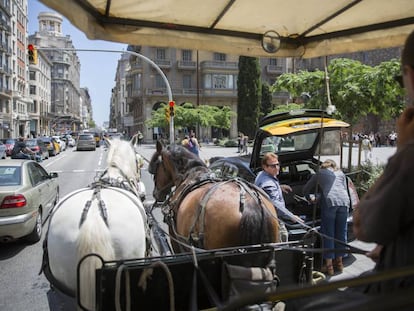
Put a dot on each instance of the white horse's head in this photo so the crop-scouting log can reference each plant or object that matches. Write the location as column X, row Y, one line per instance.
column 122, row 161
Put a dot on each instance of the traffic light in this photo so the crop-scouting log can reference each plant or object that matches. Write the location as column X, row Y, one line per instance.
column 32, row 52
column 172, row 108
column 167, row 114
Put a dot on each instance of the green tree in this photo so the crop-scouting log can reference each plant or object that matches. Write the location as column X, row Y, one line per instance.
column 248, row 95
column 266, row 106
column 356, row 89
column 92, row 124
column 187, row 115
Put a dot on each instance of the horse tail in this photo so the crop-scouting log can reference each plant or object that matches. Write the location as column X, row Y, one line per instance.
column 94, row 237
column 257, row 224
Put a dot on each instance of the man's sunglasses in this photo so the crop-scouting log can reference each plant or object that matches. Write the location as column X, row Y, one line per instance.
column 273, row 165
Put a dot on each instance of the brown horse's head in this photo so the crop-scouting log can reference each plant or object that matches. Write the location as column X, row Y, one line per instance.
column 168, row 165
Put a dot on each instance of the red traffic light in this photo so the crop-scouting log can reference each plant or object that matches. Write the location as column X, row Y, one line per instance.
column 30, row 47
column 172, row 103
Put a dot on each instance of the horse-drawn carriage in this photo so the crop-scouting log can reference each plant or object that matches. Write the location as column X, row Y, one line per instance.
column 222, row 238
column 100, row 254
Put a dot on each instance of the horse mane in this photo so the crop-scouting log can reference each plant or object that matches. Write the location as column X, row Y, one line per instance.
column 184, row 159
column 121, row 155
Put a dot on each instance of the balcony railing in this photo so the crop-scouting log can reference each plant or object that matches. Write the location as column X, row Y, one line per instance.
column 220, row 92
column 219, row 65
column 272, row 69
column 192, row 92
column 5, row 91
column 186, row 64
column 136, row 65
column 163, row 63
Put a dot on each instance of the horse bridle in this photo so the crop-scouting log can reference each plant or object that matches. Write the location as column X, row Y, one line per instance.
column 154, row 169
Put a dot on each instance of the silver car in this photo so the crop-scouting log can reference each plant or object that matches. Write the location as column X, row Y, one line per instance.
column 86, row 142
column 27, row 195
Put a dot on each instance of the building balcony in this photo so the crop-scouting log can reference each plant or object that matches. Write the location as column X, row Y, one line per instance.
column 155, row 92
column 136, row 93
column 5, row 69
column 4, row 92
column 219, row 92
column 186, row 65
column 61, row 60
column 163, row 63
column 206, row 65
column 275, row 70
column 136, row 65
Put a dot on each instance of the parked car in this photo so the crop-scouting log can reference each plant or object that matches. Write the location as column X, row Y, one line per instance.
column 56, row 144
column 71, row 141
column 27, row 194
column 3, row 148
column 52, row 147
column 37, row 145
column 86, row 142
column 9, row 142
column 61, row 142
column 297, row 139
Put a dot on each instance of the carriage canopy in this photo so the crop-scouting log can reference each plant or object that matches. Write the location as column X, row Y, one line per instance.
column 264, row 28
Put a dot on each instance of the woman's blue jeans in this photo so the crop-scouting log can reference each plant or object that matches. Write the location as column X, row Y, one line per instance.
column 333, row 224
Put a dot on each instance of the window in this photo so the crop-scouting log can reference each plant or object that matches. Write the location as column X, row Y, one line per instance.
column 219, row 57
column 273, row 61
column 33, row 90
column 187, row 55
column 187, row 81
column 160, row 53
column 37, row 173
column 159, row 81
column 32, row 75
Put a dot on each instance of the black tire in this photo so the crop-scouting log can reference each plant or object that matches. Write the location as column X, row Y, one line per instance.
column 36, row 234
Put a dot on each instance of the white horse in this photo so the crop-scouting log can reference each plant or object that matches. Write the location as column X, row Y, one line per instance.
column 107, row 218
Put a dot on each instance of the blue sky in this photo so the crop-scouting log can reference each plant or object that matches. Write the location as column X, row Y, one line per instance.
column 97, row 68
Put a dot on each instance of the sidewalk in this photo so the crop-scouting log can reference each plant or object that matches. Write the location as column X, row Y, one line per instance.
column 380, row 155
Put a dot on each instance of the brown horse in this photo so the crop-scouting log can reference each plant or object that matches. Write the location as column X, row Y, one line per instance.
column 205, row 211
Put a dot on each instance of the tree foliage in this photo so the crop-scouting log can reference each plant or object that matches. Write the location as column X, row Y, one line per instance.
column 266, row 106
column 187, row 115
column 356, row 89
column 248, row 95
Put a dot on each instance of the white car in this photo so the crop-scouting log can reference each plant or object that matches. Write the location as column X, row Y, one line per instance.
column 61, row 143
column 71, row 141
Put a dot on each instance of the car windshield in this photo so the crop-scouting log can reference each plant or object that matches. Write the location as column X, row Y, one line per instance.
column 10, row 175
column 299, row 142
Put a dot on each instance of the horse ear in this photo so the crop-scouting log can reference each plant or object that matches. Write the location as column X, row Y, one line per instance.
column 160, row 146
column 108, row 141
column 134, row 140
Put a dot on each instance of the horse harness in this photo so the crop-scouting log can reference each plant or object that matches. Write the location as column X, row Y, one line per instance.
column 96, row 187
column 175, row 199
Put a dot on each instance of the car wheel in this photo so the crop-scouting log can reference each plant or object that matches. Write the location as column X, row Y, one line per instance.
column 36, row 234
